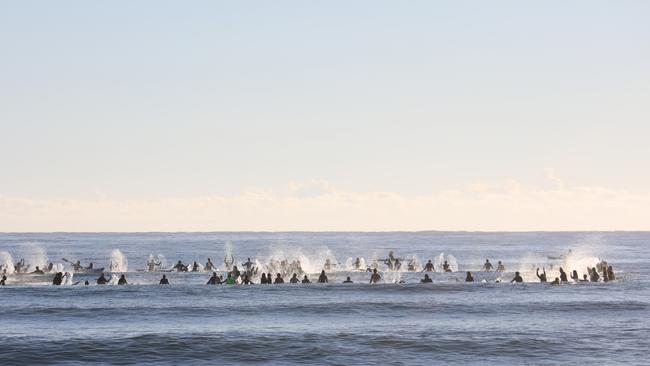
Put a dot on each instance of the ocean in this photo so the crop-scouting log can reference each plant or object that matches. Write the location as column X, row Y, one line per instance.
column 399, row 321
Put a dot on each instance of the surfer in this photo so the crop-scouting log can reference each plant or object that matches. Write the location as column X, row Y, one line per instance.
column 501, row 267
column 610, row 273
column 278, row 279
column 429, row 267
column 102, row 280
column 164, row 280
column 556, row 281
column 594, row 277
column 517, row 278
column 574, row 276
column 584, row 278
column 38, row 271
column 412, row 265
column 487, row 267
column 328, row 264
column 294, row 279
column 248, row 265
column 50, row 267
column 469, row 277
column 375, row 278
column 195, row 267
column 563, row 277
column 426, row 279
column 348, row 280
column 180, row 267
column 230, row 280
column 263, row 279
column 3, row 281
column 122, row 281
column 214, row 280
column 269, row 279
column 446, row 267
column 19, row 266
column 542, row 277
column 58, row 279
column 306, row 279
column 151, row 264
column 209, row 266
column 323, row 277
column 357, row 263
column 246, row 281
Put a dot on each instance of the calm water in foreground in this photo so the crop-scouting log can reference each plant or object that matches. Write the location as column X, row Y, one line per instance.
column 447, row 322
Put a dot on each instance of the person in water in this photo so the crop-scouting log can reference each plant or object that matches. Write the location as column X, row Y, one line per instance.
column 487, row 267
column 86, row 283
column 348, row 280
column 164, row 280
column 446, row 267
column 58, row 279
column 214, row 280
column 102, row 280
column 574, row 276
column 556, row 281
column 357, row 263
column 151, row 265
column 269, row 279
column 38, row 271
column 195, row 267
column 230, row 280
column 429, row 267
column 375, row 278
column 426, row 279
column 246, row 281
column 180, row 267
column 584, row 278
column 542, row 277
column 563, row 277
column 263, row 279
column 468, row 277
column 501, row 267
column 3, row 281
column 594, row 277
column 517, row 278
column 294, row 279
column 122, row 280
column 323, row 277
column 278, row 279
column 209, row 266
column 610, row 273
column 306, row 279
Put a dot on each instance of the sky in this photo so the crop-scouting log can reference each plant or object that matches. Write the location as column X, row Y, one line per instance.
column 331, row 115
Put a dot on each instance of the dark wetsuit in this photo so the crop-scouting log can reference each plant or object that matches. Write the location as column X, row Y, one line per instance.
column 164, row 281
column 542, row 277
column 102, row 280
column 322, row 279
column 426, row 280
column 278, row 280
column 517, row 279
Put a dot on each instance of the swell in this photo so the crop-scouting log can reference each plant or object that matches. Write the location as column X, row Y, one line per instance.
column 297, row 348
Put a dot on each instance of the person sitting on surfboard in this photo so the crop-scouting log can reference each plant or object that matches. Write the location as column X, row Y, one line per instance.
column 429, row 267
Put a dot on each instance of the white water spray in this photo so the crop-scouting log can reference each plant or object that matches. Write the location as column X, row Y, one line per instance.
column 119, row 263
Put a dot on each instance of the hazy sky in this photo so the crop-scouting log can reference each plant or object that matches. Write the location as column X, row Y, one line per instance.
column 331, row 115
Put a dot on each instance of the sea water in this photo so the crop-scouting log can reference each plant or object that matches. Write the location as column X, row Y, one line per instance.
column 446, row 322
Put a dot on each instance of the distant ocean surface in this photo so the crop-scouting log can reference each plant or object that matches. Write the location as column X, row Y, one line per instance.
column 446, row 322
